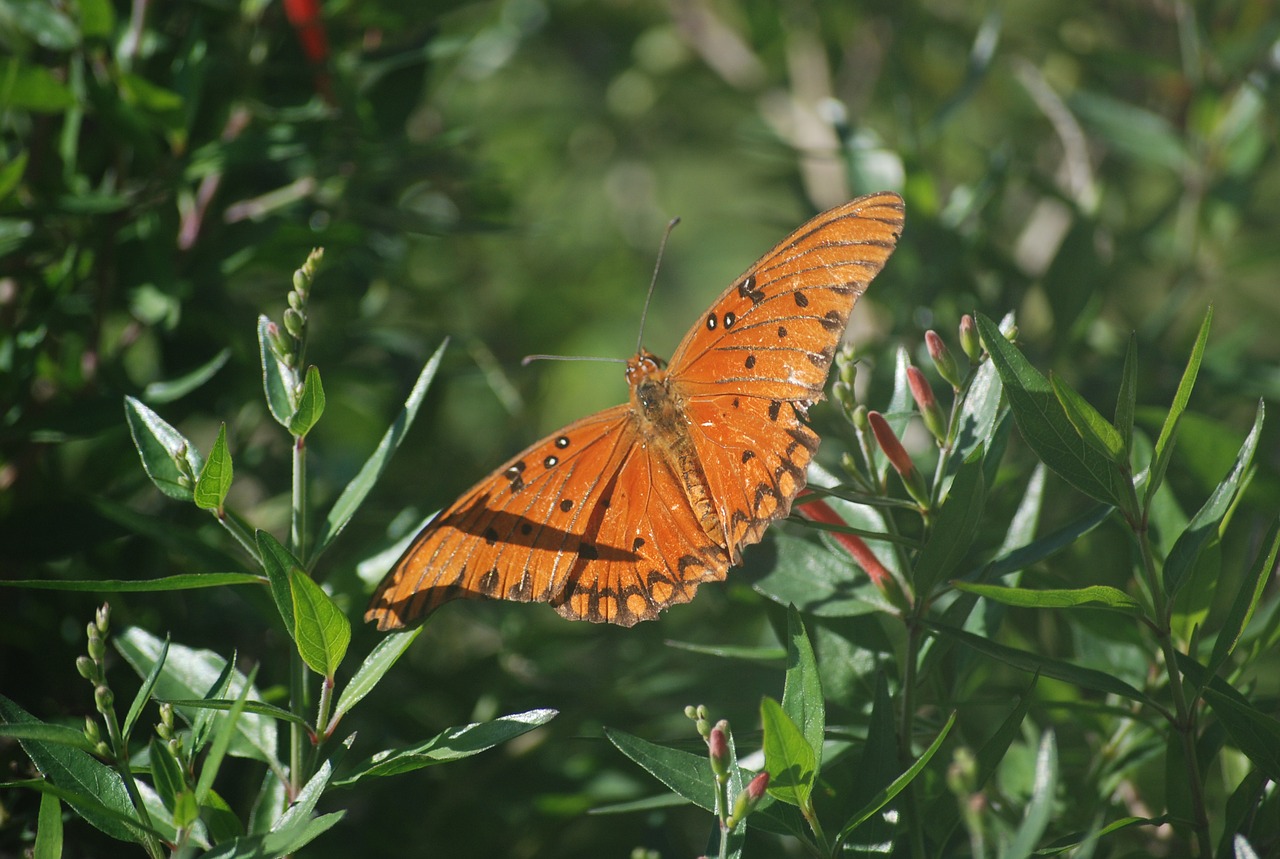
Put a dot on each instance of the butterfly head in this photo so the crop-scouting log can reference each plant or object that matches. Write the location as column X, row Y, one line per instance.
column 642, row 366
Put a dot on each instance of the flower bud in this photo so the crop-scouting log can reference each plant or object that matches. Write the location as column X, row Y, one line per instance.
column 87, row 668
column 859, row 418
column 97, row 647
column 746, row 801
column 922, row 393
column 91, row 731
column 102, row 618
column 103, row 751
column 943, row 360
column 103, row 698
column 718, row 749
column 898, row 458
column 691, row 713
column 294, row 322
column 970, row 342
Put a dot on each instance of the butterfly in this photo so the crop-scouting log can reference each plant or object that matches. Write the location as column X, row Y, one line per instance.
column 625, row 512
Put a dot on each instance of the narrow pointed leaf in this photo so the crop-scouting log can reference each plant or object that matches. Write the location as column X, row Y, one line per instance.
column 1127, row 399
column 1039, row 810
column 375, row 665
column 354, row 493
column 323, row 631
column 1169, row 431
column 182, row 582
column 175, row 389
column 215, row 478
column 48, row 827
column 169, row 459
column 802, row 694
column 1092, row 426
column 166, row 774
column 1204, row 525
column 310, row 404
column 1096, row 596
column 1044, row 424
column 1247, row 599
column 788, row 758
column 144, row 691
column 1255, row 733
column 222, row 738
column 953, row 528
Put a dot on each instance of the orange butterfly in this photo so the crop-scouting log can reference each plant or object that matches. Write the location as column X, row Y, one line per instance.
column 623, row 513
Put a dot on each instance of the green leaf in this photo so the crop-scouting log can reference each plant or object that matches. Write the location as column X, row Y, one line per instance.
column 222, row 737
column 1247, row 599
column 43, row 23
column 1096, row 596
column 375, row 665
column 1039, row 809
column 225, row 704
column 144, row 692
column 174, row 389
column 1044, row 424
column 310, row 404
column 46, row 733
column 323, row 631
column 802, row 698
column 354, row 493
column 11, row 174
column 94, row 790
column 33, row 88
column 97, row 18
column 884, row 797
column 687, row 774
column 979, row 412
column 169, row 459
column 1127, row 399
column 280, row 842
column 1086, row 678
column 166, row 773
column 450, row 744
column 1131, row 130
column 793, row 571
column 988, row 757
column 278, row 562
column 788, row 758
column 215, row 478
column 1169, row 431
column 48, row 829
column 184, row 582
column 1092, row 426
column 1021, row 557
column 190, row 673
column 279, row 380
column 1204, row 525
column 953, row 528
column 1255, row 733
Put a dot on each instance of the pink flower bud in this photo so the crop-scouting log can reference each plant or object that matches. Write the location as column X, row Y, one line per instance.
column 898, row 457
column 718, row 747
column 943, row 360
column 757, row 786
column 922, row 393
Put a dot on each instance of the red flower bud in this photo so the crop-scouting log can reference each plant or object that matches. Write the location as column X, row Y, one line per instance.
column 943, row 360
column 757, row 787
column 718, row 747
column 820, row 511
column 898, row 457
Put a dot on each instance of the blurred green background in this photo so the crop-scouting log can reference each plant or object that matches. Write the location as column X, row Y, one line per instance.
column 500, row 173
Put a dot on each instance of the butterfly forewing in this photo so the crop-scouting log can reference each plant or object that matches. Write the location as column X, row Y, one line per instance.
column 774, row 331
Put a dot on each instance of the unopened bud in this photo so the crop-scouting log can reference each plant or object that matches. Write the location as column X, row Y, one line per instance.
column 970, row 342
column 91, row 731
column 294, row 322
column 718, row 750
column 922, row 393
column 859, row 418
column 103, row 698
column 102, row 618
column 746, row 801
column 898, row 457
column 943, row 360
column 691, row 713
column 87, row 668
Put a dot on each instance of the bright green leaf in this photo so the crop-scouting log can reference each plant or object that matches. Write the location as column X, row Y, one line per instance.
column 1096, row 596
column 215, row 478
column 802, row 699
column 174, row 389
column 277, row 562
column 169, row 459
column 183, row 582
column 375, row 665
column 1092, row 426
column 33, row 88
column 310, row 404
column 1127, row 399
column 1169, row 431
column 48, row 829
column 788, row 758
column 11, row 174
column 322, row 630
column 279, row 380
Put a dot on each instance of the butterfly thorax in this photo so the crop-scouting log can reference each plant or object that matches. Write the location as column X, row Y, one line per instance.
column 662, row 423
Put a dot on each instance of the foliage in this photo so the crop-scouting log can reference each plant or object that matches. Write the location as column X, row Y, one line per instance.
column 1022, row 619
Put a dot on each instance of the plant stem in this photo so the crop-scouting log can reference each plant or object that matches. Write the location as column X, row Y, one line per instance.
column 905, row 729
column 298, row 698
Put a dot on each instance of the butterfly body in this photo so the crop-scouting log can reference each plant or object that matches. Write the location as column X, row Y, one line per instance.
column 627, row 511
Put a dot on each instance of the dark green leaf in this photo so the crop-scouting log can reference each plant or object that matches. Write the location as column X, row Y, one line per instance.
column 1169, row 431
column 93, row 789
column 1132, row 130
column 278, row 842
column 1086, row 678
column 310, row 404
column 184, row 582
column 1021, row 557
column 33, row 88
column 1247, row 599
column 11, row 174
column 167, row 392
column 215, row 478
column 450, row 745
column 993, row 750
column 323, row 631
column 1043, row 422
column 1126, row 400
column 144, row 692
column 788, row 758
column 354, row 493
column 1255, row 733
column 687, row 774
column 953, row 528
column 1092, row 426
column 811, row 577
column 166, row 773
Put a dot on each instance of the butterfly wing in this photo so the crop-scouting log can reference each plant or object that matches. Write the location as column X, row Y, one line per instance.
column 773, row 333
column 749, row 369
column 583, row 519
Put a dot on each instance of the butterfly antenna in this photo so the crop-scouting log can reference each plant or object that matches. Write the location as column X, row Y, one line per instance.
column 529, row 359
column 662, row 246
